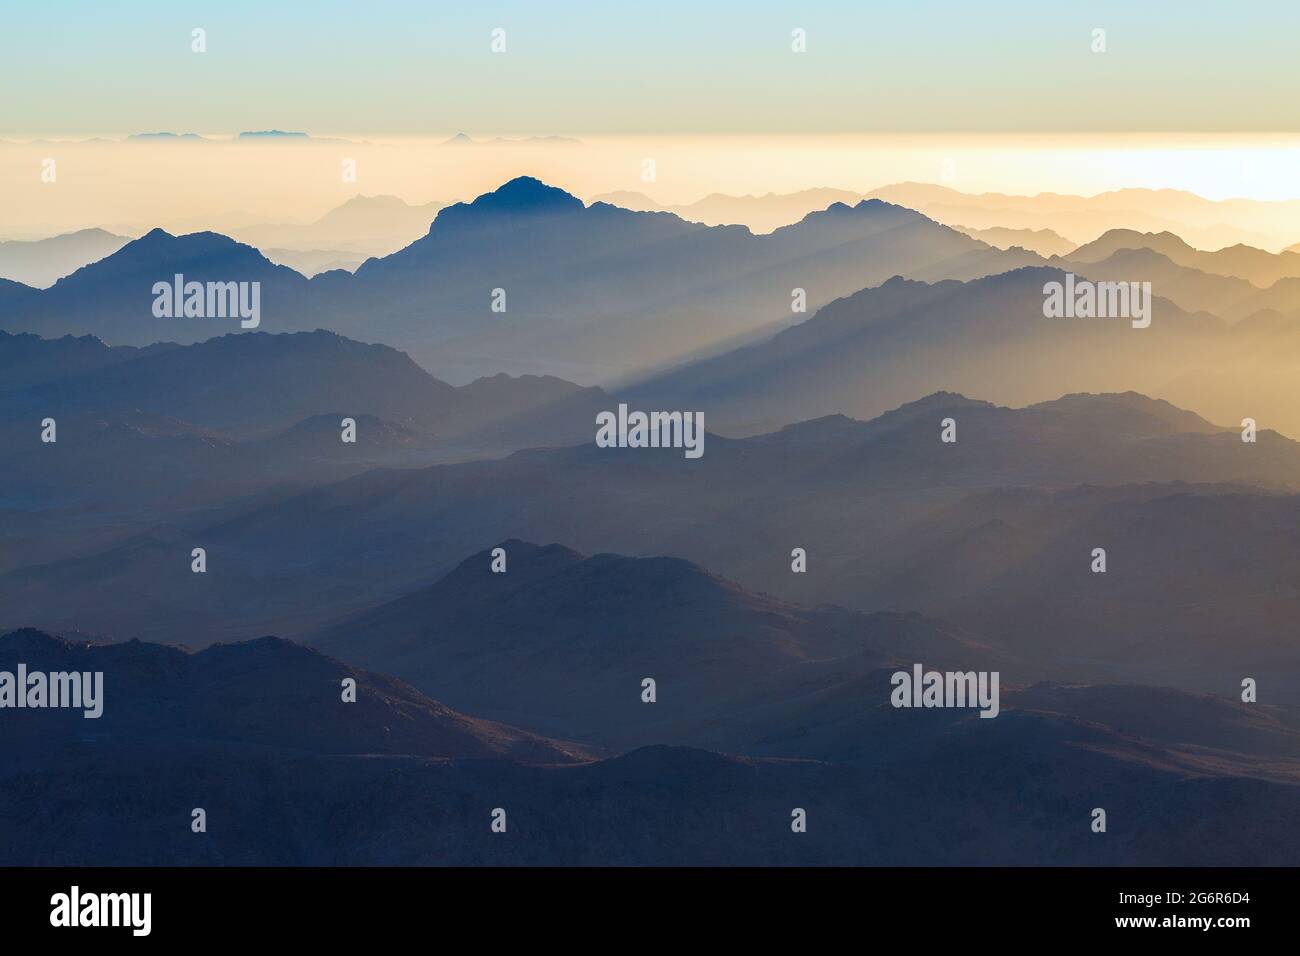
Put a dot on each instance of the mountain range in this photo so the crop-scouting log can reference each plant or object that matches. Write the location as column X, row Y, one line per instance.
column 705, row 313
column 994, row 533
column 1205, row 223
column 39, row 263
column 594, row 291
column 168, row 425
column 645, row 657
column 516, row 643
column 1042, row 241
column 882, row 346
column 266, row 693
column 362, row 227
column 256, row 736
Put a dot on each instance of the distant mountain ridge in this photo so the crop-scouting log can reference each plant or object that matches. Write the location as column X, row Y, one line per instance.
column 363, row 226
column 509, row 643
column 871, row 350
column 529, row 279
column 257, row 737
column 170, row 426
column 760, row 213
column 266, row 692
column 1256, row 266
column 1207, row 224
column 40, row 263
column 381, row 535
column 113, row 298
column 587, row 287
column 27, row 359
column 1045, row 242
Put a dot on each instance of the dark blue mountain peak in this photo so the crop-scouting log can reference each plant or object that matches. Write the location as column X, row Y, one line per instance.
column 521, row 196
column 878, row 204
column 940, row 401
column 527, row 192
column 160, row 239
column 841, row 211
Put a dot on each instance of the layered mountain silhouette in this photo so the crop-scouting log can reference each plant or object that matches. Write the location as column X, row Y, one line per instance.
column 1233, row 282
column 1190, row 289
column 266, row 693
column 879, row 347
column 1256, row 266
column 363, row 226
column 1045, row 242
column 563, row 641
column 581, row 289
column 312, row 262
column 255, row 382
column 113, row 298
column 945, row 333
column 27, row 360
column 1108, row 526
column 1205, row 223
column 760, row 213
column 591, row 292
column 268, row 382
column 878, row 505
column 177, row 426
column 872, row 350
column 41, row 262
column 591, row 285
column 258, row 737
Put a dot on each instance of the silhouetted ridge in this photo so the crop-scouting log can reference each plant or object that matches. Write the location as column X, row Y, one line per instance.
column 606, row 574
column 1120, row 411
column 267, row 693
column 522, row 196
column 929, row 404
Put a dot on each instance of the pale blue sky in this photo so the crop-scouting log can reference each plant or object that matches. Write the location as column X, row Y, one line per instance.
column 392, row 67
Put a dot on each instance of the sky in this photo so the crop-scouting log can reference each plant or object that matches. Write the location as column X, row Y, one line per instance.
column 403, row 68
column 1005, row 97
